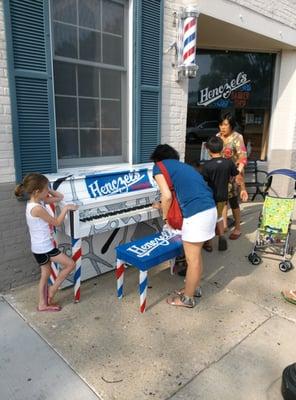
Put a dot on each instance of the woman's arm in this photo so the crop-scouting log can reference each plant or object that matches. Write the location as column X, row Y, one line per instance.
column 40, row 212
column 165, row 194
column 241, row 152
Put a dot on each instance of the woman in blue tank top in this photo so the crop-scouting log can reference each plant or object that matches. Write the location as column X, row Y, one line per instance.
column 199, row 215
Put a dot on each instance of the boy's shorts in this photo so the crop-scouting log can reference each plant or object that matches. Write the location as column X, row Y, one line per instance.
column 45, row 257
column 220, row 205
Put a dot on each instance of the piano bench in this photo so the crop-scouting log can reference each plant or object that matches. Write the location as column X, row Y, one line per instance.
column 145, row 254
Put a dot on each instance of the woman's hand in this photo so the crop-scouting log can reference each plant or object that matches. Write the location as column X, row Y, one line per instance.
column 244, row 195
column 157, row 205
column 71, row 207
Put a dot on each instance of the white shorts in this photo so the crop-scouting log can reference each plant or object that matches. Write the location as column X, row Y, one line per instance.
column 200, row 227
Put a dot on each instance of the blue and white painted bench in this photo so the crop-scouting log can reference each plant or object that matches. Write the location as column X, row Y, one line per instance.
column 145, row 254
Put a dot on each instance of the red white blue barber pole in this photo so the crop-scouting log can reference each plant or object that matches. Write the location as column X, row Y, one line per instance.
column 187, row 42
column 77, row 257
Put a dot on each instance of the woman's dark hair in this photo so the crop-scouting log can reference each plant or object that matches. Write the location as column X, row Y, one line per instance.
column 164, row 152
column 230, row 118
column 215, row 144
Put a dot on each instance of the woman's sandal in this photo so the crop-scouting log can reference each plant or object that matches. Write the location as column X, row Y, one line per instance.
column 181, row 301
column 197, row 293
column 289, row 296
column 207, row 247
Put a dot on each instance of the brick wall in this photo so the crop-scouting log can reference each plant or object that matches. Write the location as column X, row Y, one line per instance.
column 283, row 11
column 16, row 263
column 7, row 172
column 174, row 94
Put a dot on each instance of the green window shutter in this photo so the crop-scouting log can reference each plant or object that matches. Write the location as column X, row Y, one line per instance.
column 30, row 75
column 148, row 30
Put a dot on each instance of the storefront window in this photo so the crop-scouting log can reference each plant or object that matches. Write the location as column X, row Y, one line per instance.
column 89, row 47
column 236, row 82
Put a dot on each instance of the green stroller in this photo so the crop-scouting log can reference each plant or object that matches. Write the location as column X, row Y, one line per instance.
column 273, row 232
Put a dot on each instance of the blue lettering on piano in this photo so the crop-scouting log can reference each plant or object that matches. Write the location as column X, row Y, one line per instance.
column 115, row 183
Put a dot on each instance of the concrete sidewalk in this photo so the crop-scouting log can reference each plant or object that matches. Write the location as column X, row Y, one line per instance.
column 233, row 345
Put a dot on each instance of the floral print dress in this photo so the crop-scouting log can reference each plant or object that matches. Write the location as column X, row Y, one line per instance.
column 235, row 149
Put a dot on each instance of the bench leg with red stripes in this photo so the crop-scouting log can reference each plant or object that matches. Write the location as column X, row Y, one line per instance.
column 143, row 290
column 120, row 268
column 77, row 257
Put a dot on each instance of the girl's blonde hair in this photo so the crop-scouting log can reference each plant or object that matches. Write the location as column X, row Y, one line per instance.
column 30, row 184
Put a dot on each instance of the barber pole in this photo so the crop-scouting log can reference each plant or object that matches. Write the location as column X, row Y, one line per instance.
column 189, row 41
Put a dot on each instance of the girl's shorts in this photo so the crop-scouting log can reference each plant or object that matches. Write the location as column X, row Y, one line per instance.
column 200, row 227
column 45, row 257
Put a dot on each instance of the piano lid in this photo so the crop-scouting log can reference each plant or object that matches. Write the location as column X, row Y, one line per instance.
column 89, row 184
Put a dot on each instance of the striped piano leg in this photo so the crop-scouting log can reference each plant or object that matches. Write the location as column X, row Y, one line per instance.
column 54, row 267
column 120, row 268
column 143, row 290
column 77, row 257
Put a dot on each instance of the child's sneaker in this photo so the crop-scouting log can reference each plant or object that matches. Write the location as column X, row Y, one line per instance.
column 222, row 243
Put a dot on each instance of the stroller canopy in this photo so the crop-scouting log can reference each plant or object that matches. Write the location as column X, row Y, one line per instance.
column 287, row 172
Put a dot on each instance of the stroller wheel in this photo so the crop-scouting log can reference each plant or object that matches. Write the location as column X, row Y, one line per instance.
column 254, row 259
column 285, row 266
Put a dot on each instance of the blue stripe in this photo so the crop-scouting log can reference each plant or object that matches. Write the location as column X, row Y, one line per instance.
column 143, row 285
column 189, row 39
column 74, row 241
column 77, row 274
column 120, row 291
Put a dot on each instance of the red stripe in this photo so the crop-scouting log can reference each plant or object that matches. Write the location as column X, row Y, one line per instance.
column 119, row 271
column 188, row 53
column 76, row 255
column 53, row 273
column 143, row 306
column 77, row 295
column 189, row 25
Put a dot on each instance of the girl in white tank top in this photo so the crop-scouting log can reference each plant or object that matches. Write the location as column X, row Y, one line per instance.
column 40, row 222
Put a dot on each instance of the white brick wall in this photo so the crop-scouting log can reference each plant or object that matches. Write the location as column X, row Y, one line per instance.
column 7, row 171
column 174, row 94
column 283, row 11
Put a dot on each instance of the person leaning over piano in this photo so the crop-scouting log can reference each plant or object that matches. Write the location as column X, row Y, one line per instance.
column 199, row 216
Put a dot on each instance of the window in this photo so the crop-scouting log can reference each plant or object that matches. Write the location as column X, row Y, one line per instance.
column 236, row 82
column 90, row 81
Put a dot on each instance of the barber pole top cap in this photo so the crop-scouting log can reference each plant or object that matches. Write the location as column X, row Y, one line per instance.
column 190, row 11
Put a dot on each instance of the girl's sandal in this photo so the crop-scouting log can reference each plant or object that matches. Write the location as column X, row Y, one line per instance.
column 181, row 301
column 197, row 293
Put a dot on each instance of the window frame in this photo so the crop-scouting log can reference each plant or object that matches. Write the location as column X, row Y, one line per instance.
column 125, row 94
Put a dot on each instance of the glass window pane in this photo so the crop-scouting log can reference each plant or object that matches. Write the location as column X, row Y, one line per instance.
column 110, row 84
column 112, row 50
column 89, row 113
column 64, row 78
column 111, row 114
column 90, row 13
column 113, row 17
column 90, row 45
column 65, row 11
column 67, row 143
column 111, row 143
column 88, row 81
column 65, row 40
column 66, row 112
column 90, row 142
